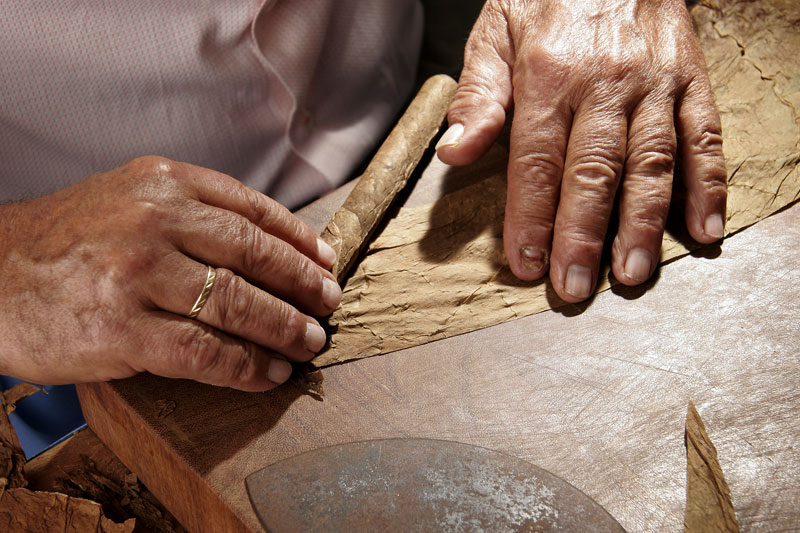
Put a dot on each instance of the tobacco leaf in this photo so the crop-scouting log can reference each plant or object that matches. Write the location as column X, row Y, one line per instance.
column 12, row 457
column 709, row 507
column 23, row 510
column 122, row 498
column 439, row 270
column 17, row 393
column 35, row 511
column 309, row 380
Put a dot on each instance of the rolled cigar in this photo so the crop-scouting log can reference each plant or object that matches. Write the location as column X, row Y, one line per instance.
column 388, row 172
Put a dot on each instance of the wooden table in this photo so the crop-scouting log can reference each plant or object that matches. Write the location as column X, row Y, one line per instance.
column 596, row 394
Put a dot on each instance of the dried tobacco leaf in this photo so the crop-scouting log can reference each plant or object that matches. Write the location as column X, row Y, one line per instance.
column 23, row 510
column 12, row 457
column 709, row 507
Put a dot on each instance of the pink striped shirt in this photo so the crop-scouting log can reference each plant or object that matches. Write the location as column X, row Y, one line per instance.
column 286, row 95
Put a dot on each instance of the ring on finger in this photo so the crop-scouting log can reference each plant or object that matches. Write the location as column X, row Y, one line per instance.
column 211, row 276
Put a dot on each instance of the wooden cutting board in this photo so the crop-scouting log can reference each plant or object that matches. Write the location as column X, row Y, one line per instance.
column 595, row 393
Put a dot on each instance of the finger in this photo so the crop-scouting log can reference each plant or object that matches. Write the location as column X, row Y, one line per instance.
column 704, row 174
column 479, row 108
column 183, row 348
column 218, row 190
column 236, row 307
column 221, row 238
column 595, row 156
column 536, row 161
column 645, row 191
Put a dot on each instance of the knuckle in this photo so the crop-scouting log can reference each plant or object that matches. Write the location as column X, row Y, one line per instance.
column 649, row 217
column 276, row 218
column 254, row 246
column 540, row 58
column 708, row 143
column 714, row 182
column 302, row 274
column 259, row 209
column 711, row 173
column 528, row 217
column 597, row 171
column 147, row 216
column 235, row 300
column 243, row 370
column 289, row 328
column 150, row 177
column 296, row 227
column 652, row 161
column 551, row 72
column 538, row 164
column 619, row 69
column 584, row 239
column 308, row 278
column 153, row 165
column 275, row 215
column 198, row 348
column 474, row 91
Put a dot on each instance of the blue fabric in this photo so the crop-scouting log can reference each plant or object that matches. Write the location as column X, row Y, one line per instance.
column 42, row 420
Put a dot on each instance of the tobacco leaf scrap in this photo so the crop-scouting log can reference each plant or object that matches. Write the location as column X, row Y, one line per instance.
column 709, row 508
column 17, row 393
column 164, row 408
column 439, row 270
column 30, row 511
column 120, row 497
column 309, row 380
column 12, row 457
column 23, row 510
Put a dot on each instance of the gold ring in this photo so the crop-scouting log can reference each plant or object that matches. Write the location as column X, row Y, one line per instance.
column 201, row 300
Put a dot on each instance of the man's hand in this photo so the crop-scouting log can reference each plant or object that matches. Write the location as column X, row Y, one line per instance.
column 97, row 281
column 606, row 95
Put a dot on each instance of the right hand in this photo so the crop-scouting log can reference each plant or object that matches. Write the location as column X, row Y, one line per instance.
column 97, row 280
column 606, row 95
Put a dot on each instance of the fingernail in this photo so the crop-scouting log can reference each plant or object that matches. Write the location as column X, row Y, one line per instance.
column 315, row 337
column 638, row 264
column 579, row 281
column 326, row 253
column 331, row 293
column 533, row 258
column 452, row 136
column 279, row 370
column 714, row 226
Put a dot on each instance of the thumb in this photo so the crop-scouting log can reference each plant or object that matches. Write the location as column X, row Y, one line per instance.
column 484, row 94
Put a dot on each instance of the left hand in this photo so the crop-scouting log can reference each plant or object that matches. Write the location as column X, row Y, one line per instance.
column 606, row 95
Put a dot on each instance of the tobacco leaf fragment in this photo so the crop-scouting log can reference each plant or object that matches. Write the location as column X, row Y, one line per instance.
column 23, row 510
column 309, row 380
column 12, row 457
column 66, row 509
column 164, row 408
column 17, row 393
column 120, row 497
column 709, row 507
